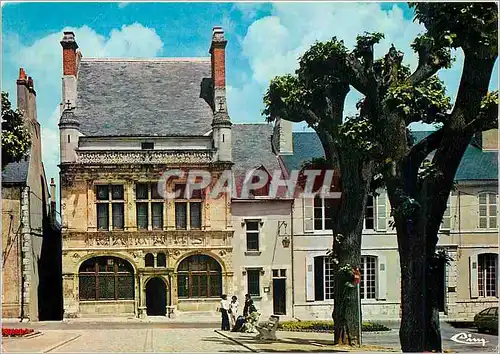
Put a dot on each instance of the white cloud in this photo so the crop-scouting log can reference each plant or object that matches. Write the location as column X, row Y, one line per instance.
column 249, row 10
column 273, row 44
column 42, row 60
column 121, row 5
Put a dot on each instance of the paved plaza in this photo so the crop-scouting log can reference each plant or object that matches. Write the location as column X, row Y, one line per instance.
column 132, row 335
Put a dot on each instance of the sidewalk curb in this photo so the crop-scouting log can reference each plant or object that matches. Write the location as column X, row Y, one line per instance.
column 60, row 344
column 236, row 341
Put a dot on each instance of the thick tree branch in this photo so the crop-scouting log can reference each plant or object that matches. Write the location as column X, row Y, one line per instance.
column 357, row 74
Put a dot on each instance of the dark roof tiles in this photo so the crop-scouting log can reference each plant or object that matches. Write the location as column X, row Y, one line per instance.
column 476, row 164
column 117, row 97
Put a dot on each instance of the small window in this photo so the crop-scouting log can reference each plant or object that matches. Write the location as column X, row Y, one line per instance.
column 102, row 192
column 155, row 193
column 195, row 215
column 69, row 138
column 102, row 216
column 253, row 278
column 141, row 191
column 147, row 146
column 161, row 260
column 369, row 214
column 487, row 211
column 118, row 216
column 149, row 260
column 252, row 235
column 181, row 216
column 117, row 192
column 157, row 211
column 142, row 216
column 275, row 273
column 283, row 273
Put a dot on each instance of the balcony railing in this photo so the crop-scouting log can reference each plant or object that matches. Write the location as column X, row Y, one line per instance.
column 105, row 157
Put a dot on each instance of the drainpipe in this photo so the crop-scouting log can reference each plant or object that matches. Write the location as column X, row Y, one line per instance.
column 291, row 250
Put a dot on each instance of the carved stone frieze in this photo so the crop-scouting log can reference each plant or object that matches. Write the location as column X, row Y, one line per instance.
column 144, row 157
column 166, row 239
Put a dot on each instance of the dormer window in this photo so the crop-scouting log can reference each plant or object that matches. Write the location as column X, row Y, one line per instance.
column 147, row 146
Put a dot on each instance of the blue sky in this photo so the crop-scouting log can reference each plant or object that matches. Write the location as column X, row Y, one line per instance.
column 264, row 40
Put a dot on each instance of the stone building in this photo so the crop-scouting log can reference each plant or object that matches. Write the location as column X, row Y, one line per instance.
column 129, row 251
column 124, row 122
column 469, row 235
column 31, row 238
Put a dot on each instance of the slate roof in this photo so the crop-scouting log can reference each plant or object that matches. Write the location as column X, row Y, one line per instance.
column 252, row 147
column 475, row 165
column 133, row 97
column 16, row 172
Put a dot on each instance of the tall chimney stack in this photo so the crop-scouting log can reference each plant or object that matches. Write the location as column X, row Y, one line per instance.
column 221, row 124
column 71, row 60
column 218, row 55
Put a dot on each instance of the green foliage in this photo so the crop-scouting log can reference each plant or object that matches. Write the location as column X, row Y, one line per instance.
column 357, row 134
column 285, row 97
column 426, row 102
column 325, row 326
column 437, row 53
column 365, row 43
column 408, row 207
column 322, row 60
column 488, row 111
column 16, row 140
column 429, row 170
column 471, row 26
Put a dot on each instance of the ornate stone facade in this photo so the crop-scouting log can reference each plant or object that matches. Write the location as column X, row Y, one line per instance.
column 82, row 240
column 143, row 157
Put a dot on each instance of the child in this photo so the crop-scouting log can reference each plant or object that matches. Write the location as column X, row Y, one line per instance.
column 233, row 310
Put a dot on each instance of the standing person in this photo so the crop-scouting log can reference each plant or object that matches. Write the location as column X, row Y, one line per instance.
column 249, row 306
column 233, row 310
column 224, row 308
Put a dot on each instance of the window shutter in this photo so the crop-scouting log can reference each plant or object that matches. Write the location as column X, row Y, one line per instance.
column 382, row 277
column 381, row 211
column 309, row 279
column 473, row 277
column 446, row 223
column 308, row 206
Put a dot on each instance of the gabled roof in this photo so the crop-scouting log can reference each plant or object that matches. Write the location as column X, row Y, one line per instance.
column 476, row 164
column 133, row 97
column 252, row 149
column 16, row 172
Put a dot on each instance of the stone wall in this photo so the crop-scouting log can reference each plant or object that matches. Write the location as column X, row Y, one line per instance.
column 11, row 247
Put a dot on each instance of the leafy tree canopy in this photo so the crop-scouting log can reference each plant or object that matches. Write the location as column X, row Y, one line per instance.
column 15, row 136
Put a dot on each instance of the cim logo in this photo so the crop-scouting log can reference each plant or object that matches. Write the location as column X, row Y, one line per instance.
column 467, row 338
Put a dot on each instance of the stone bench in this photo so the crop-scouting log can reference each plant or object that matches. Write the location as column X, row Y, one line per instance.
column 267, row 330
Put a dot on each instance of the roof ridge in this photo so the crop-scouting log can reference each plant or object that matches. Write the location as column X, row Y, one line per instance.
column 148, row 60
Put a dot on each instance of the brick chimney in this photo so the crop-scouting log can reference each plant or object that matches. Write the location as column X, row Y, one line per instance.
column 69, row 53
column 218, row 54
column 221, row 124
column 26, row 96
column 71, row 60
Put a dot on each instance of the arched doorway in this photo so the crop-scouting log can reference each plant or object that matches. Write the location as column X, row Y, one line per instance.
column 156, row 297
